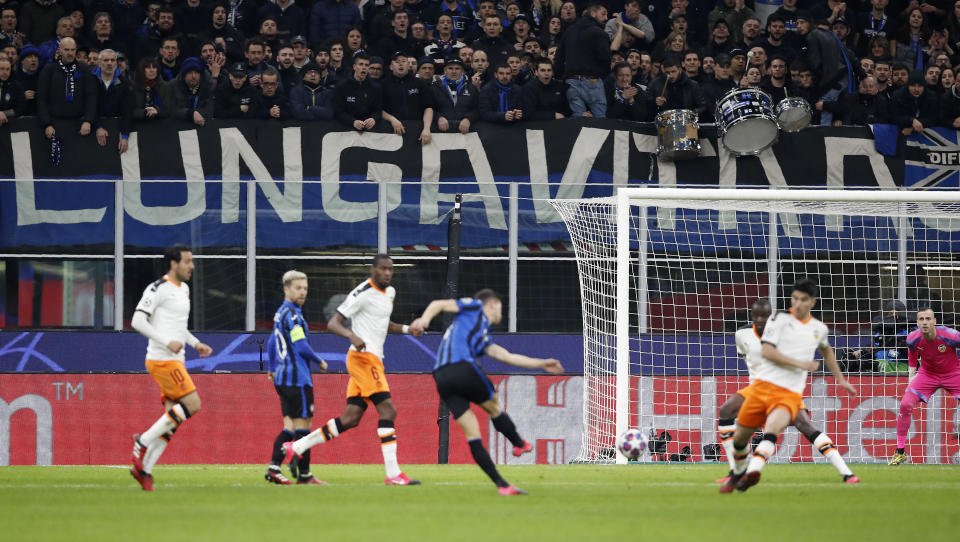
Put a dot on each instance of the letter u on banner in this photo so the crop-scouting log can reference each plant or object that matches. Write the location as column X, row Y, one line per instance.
column 164, row 215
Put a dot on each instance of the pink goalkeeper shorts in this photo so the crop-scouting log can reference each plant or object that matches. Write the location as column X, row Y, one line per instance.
column 924, row 385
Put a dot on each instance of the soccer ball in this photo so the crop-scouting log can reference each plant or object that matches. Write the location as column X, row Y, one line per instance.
column 632, row 444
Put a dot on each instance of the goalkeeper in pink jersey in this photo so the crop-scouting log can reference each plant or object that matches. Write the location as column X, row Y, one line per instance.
column 936, row 347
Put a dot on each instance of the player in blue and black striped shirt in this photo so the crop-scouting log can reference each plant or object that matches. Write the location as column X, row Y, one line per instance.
column 460, row 379
column 290, row 358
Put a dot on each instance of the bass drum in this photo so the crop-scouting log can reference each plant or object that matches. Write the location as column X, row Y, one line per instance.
column 794, row 114
column 678, row 135
column 746, row 122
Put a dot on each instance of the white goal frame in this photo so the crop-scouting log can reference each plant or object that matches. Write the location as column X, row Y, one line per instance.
column 779, row 200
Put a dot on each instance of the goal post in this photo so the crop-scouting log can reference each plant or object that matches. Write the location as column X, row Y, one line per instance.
column 668, row 274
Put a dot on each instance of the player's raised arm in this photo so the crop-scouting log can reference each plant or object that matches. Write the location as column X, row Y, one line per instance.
column 433, row 309
column 830, row 360
column 500, row 353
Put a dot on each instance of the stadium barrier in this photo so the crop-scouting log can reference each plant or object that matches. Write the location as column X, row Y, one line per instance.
column 87, row 419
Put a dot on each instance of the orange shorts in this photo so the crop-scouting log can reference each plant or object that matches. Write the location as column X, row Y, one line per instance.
column 744, row 392
column 366, row 375
column 762, row 398
column 172, row 377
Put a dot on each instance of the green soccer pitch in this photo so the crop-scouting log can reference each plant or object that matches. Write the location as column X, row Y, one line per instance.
column 456, row 502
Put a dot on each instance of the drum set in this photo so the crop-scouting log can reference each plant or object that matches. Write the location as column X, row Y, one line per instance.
column 747, row 123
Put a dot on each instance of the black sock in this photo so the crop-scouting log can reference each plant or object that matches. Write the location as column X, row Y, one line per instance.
column 303, row 462
column 277, row 458
column 505, row 426
column 901, row 450
column 482, row 458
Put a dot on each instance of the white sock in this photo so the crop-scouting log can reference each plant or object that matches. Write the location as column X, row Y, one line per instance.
column 761, row 455
column 169, row 421
column 324, row 433
column 739, row 459
column 388, row 445
column 153, row 453
column 726, row 440
column 825, row 446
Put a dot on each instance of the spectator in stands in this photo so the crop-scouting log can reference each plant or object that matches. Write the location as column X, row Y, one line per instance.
column 381, row 24
column 584, row 55
column 479, row 69
column 750, row 33
column 455, row 98
column 545, row 97
column 49, row 48
column 354, row 42
column 882, row 72
column 127, row 17
column 268, row 33
column 8, row 27
column 914, row 108
column 272, row 101
column 375, row 69
column 843, row 31
column 673, row 90
column 427, row 71
column 39, row 19
column 356, row 100
column 552, row 31
column 289, row 76
column 492, row 43
column 568, row 13
column 255, row 51
column 542, row 10
column 625, row 99
column 214, row 59
column 735, row 13
column 169, row 59
column 691, row 67
column 192, row 93
column 638, row 31
column 398, row 39
column 301, row 53
column 234, row 97
column 460, row 14
column 406, row 98
column 875, row 23
column 150, row 43
column 931, row 77
column 717, row 87
column 102, row 37
column 151, row 94
column 751, row 78
column 114, row 99
column 290, row 18
column 694, row 23
column 720, row 41
column 828, row 58
column 867, row 66
column 28, row 75
column 899, row 75
column 774, row 43
column 445, row 42
column 223, row 34
column 863, row 108
column 789, row 13
column 911, row 41
column 776, row 83
column 521, row 29
column 938, row 45
column 880, row 48
column 757, row 57
column 12, row 101
column 947, row 79
column 950, row 107
column 311, row 100
column 738, row 65
column 888, row 349
column 806, row 88
column 501, row 101
column 66, row 91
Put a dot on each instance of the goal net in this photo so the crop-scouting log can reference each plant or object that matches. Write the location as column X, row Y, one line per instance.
column 667, row 275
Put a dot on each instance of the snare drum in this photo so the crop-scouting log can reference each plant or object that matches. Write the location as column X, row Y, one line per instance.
column 678, row 135
column 745, row 120
column 794, row 113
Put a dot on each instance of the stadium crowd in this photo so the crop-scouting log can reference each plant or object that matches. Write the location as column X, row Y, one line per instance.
column 452, row 63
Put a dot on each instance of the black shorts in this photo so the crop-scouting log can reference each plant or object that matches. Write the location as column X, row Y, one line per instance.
column 460, row 384
column 296, row 401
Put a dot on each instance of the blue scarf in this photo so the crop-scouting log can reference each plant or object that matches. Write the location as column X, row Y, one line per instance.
column 73, row 75
column 453, row 94
column 851, row 80
column 917, row 50
column 504, row 91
